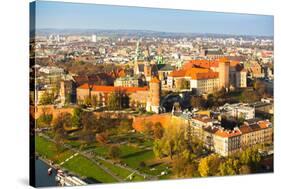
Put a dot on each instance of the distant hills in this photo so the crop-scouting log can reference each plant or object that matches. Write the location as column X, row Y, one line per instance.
column 134, row 33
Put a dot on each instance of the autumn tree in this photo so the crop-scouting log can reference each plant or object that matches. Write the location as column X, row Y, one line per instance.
column 90, row 127
column 62, row 121
column 249, row 96
column 183, row 165
column 47, row 98
column 148, row 127
column 101, row 138
column 94, row 101
column 76, row 118
column 259, row 87
column 114, row 152
column 87, row 101
column 158, row 130
column 250, row 157
column 115, row 100
column 229, row 167
column 44, row 120
column 245, row 169
column 125, row 126
column 197, row 102
column 208, row 166
column 172, row 143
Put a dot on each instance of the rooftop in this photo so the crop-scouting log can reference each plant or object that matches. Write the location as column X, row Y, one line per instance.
column 103, row 88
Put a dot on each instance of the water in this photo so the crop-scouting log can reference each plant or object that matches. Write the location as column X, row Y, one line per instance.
column 42, row 179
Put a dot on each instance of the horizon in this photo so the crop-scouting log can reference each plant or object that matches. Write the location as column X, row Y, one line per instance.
column 155, row 31
column 83, row 16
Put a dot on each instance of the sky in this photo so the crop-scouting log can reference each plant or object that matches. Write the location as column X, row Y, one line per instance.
column 59, row 15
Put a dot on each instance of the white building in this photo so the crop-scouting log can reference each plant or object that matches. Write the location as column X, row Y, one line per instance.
column 51, row 70
column 238, row 110
column 94, row 38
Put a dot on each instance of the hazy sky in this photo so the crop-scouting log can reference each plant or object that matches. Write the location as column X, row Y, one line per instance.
column 90, row 16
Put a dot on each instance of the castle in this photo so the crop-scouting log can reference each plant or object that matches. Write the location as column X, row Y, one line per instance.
column 146, row 97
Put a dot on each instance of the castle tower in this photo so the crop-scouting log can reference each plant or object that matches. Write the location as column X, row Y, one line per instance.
column 147, row 70
column 63, row 92
column 224, row 74
column 153, row 102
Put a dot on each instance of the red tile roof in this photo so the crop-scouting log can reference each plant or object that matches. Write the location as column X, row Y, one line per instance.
column 264, row 124
column 195, row 73
column 103, row 88
column 245, row 129
column 155, row 80
column 227, row 134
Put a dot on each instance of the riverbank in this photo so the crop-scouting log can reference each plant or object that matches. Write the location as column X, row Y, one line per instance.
column 42, row 178
column 79, row 165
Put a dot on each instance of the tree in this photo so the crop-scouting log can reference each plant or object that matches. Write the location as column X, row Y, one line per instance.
column 115, row 100
column 101, row 138
column 114, row 152
column 208, row 166
column 157, row 148
column 94, row 101
column 172, row 143
column 89, row 122
column 259, row 87
column 183, row 165
column 87, row 101
column 245, row 169
column 76, row 118
column 125, row 126
column 47, row 98
column 249, row 96
column 90, row 126
column 44, row 120
column 250, row 157
column 68, row 98
column 158, row 130
column 204, row 168
column 197, row 102
column 229, row 167
column 148, row 127
column 210, row 101
column 62, row 121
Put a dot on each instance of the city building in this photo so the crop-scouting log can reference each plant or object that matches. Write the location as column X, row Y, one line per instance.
column 94, row 38
column 238, row 110
column 260, row 132
column 227, row 142
column 148, row 98
column 200, row 80
column 127, row 81
column 51, row 70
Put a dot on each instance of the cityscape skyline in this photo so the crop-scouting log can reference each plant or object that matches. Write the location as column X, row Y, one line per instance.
column 56, row 15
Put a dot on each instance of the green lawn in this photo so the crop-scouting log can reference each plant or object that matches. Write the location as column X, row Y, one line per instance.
column 50, row 151
column 131, row 153
column 85, row 167
column 79, row 164
column 134, row 159
column 121, row 172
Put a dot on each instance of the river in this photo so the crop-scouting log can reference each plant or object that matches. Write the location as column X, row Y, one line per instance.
column 42, row 179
